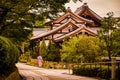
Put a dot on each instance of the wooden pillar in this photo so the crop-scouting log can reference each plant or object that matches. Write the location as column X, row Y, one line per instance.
column 113, row 70
column 38, row 46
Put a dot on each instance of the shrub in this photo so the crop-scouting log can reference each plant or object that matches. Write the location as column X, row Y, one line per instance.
column 93, row 71
column 9, row 54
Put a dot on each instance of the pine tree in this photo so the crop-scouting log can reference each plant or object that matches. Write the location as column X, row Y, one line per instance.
column 43, row 49
column 53, row 52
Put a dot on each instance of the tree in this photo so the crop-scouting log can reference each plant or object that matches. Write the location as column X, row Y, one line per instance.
column 115, row 35
column 107, row 33
column 14, row 21
column 40, row 24
column 17, row 17
column 53, row 52
column 43, row 49
column 82, row 48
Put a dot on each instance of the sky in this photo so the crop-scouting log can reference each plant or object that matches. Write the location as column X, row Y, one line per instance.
column 101, row 7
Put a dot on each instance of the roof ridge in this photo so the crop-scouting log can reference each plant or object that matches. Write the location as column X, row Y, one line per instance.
column 85, row 6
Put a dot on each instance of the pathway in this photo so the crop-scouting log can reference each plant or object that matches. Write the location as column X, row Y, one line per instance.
column 35, row 73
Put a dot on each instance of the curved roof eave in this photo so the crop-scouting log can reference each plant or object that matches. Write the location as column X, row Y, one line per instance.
column 52, row 31
column 77, row 31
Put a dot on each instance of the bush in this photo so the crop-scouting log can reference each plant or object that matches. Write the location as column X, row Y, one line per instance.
column 95, row 71
column 9, row 54
column 24, row 58
column 54, row 65
column 92, row 71
column 53, row 53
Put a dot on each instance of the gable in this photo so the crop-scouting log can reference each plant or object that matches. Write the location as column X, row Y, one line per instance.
column 70, row 15
column 85, row 12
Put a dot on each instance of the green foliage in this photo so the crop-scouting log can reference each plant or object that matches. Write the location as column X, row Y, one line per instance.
column 49, row 53
column 34, row 53
column 43, row 49
column 82, row 48
column 109, row 34
column 14, row 21
column 97, row 71
column 40, row 23
column 25, row 57
column 53, row 52
column 115, row 46
column 31, row 48
column 92, row 71
column 18, row 17
column 54, row 65
column 8, row 55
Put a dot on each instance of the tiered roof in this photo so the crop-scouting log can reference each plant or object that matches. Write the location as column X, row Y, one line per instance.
column 84, row 9
column 84, row 20
column 86, row 12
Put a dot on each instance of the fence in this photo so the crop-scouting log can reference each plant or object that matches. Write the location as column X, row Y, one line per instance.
column 113, row 68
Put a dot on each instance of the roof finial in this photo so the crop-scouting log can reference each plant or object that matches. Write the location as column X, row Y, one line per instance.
column 68, row 9
column 85, row 4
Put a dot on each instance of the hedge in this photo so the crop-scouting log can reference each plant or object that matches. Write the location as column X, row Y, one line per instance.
column 98, row 72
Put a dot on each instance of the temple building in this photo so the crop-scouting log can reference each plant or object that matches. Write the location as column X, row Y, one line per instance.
column 82, row 21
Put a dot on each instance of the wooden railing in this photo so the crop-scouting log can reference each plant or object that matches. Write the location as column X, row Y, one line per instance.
column 111, row 66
